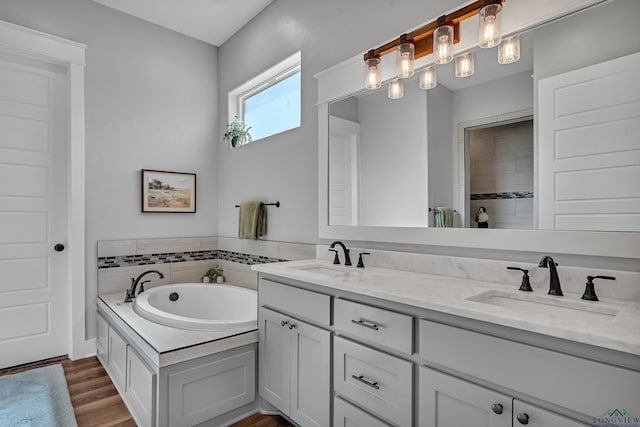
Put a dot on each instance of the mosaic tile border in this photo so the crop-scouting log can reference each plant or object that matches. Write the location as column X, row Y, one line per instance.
column 506, row 195
column 175, row 257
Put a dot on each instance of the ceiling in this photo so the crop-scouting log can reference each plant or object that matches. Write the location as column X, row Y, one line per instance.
column 212, row 21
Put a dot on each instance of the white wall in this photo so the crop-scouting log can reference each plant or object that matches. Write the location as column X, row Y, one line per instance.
column 151, row 102
column 392, row 159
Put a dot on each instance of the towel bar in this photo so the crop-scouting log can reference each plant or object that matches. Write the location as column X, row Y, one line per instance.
column 276, row 204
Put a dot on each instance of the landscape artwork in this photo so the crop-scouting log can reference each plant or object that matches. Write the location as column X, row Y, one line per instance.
column 164, row 191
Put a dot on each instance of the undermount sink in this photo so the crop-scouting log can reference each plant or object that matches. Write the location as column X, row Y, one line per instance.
column 557, row 307
column 323, row 269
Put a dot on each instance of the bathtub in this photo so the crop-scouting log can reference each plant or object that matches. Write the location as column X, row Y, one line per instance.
column 196, row 306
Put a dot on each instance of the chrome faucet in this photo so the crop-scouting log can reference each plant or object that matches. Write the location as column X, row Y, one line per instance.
column 131, row 292
column 554, row 281
column 347, row 259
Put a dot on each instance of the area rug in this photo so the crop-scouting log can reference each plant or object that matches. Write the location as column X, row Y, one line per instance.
column 38, row 397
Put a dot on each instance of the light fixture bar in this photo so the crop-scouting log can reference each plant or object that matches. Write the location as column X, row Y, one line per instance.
column 424, row 47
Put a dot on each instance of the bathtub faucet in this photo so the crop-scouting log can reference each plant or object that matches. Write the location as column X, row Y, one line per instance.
column 131, row 292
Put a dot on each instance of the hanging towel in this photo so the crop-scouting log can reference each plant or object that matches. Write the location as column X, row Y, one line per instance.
column 253, row 220
column 442, row 217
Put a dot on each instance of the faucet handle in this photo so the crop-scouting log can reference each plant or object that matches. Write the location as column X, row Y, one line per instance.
column 127, row 295
column 360, row 263
column 590, row 291
column 525, row 285
column 336, row 259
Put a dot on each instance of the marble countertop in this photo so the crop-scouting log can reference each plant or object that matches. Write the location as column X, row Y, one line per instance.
column 450, row 295
column 173, row 344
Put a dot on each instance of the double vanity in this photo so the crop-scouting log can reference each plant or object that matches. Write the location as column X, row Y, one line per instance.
column 375, row 347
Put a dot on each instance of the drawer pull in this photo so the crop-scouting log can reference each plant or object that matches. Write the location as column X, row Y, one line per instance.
column 363, row 381
column 292, row 325
column 284, row 323
column 365, row 324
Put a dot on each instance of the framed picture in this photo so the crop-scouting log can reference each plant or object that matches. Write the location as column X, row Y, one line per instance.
column 164, row 191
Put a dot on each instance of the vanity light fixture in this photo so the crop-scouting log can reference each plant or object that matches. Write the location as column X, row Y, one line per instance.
column 373, row 78
column 428, row 78
column 509, row 50
column 396, row 89
column 464, row 65
column 437, row 37
column 405, row 58
column 490, row 30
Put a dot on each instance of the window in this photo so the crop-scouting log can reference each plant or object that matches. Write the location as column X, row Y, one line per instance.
column 270, row 102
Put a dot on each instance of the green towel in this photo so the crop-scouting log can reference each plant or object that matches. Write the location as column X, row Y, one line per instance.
column 253, row 220
column 443, row 217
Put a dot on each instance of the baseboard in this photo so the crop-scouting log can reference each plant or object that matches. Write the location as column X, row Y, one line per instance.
column 85, row 349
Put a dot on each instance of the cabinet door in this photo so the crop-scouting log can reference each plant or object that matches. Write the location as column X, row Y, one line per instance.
column 446, row 401
column 347, row 415
column 140, row 389
column 310, row 374
column 526, row 414
column 117, row 359
column 102, row 339
column 273, row 358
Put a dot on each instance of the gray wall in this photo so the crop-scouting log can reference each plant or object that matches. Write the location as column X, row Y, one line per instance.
column 392, row 159
column 151, row 102
column 588, row 38
column 285, row 167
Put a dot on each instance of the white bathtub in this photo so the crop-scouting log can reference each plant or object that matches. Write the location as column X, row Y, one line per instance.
column 204, row 307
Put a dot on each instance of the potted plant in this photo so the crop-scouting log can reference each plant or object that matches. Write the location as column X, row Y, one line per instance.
column 213, row 273
column 237, row 132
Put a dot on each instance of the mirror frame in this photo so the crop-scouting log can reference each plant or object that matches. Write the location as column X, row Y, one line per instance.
column 346, row 79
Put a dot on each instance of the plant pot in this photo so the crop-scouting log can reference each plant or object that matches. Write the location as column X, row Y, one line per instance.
column 235, row 141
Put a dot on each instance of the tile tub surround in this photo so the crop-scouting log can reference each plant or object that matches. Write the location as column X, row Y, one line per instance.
column 449, row 295
column 184, row 260
column 572, row 279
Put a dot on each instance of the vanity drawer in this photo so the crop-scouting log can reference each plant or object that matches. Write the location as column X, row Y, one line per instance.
column 384, row 327
column 295, row 301
column 377, row 381
column 558, row 378
column 347, row 415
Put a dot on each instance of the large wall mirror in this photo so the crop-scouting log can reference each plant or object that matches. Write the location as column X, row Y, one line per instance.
column 465, row 155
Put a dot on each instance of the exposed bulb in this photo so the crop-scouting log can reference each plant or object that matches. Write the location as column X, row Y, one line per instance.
column 464, row 65
column 396, row 89
column 405, row 60
column 443, row 44
column 428, row 79
column 490, row 30
column 372, row 78
column 509, row 50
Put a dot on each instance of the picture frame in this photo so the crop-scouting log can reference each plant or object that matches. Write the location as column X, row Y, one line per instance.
column 164, row 191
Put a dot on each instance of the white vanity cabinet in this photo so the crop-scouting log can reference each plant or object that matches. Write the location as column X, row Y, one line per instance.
column 447, row 401
column 294, row 366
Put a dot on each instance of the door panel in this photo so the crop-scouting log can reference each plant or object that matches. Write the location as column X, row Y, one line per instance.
column 34, row 321
column 274, row 370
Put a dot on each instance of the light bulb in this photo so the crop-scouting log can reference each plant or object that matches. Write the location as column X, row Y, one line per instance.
column 464, row 65
column 428, row 79
column 509, row 50
column 372, row 78
column 405, row 60
column 396, row 89
column 490, row 30
column 443, row 44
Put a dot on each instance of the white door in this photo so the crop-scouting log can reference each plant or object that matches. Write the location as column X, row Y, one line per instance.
column 589, row 148
column 343, row 182
column 34, row 291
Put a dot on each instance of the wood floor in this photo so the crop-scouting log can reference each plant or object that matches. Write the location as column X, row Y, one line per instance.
column 96, row 401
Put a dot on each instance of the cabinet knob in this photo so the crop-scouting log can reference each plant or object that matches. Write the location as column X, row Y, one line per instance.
column 497, row 408
column 292, row 325
column 284, row 323
column 523, row 418
column 58, row 247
